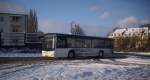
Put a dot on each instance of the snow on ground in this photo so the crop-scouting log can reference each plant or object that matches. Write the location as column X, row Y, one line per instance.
column 140, row 53
column 130, row 68
column 75, row 70
column 135, row 60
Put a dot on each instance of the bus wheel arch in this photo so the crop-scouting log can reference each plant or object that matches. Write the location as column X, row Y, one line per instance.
column 101, row 53
column 71, row 54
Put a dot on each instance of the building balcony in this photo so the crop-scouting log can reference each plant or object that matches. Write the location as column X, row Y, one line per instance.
column 12, row 39
column 33, row 38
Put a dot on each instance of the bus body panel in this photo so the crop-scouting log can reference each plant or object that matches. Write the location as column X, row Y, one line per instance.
column 84, row 52
column 62, row 52
column 59, row 45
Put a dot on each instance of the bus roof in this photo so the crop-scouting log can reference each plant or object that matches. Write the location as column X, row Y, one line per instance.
column 76, row 36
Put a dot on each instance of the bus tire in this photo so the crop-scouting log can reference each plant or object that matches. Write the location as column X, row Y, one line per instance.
column 100, row 54
column 71, row 55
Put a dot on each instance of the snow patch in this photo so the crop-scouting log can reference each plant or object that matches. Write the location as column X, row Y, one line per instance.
column 64, row 70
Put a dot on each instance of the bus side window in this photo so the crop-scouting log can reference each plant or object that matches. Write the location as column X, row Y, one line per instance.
column 87, row 43
column 97, row 43
column 71, row 42
column 47, row 43
column 107, row 43
column 61, row 42
column 80, row 43
column 94, row 43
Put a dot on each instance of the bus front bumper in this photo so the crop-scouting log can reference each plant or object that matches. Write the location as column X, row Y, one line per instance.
column 48, row 53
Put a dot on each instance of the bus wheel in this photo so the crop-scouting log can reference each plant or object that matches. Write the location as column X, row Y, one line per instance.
column 100, row 54
column 71, row 55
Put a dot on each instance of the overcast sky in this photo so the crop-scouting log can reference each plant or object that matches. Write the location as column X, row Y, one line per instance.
column 96, row 17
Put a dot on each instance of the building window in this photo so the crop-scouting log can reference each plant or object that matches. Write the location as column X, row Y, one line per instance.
column 133, row 34
column 15, row 28
column 129, row 34
column 1, row 30
column 1, row 19
column 15, row 18
column 114, row 34
column 15, row 41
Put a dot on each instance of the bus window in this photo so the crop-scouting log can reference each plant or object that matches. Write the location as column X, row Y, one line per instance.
column 80, row 43
column 71, row 42
column 61, row 42
column 96, row 43
column 87, row 43
column 108, row 44
column 48, row 43
column 101, row 43
column 111, row 44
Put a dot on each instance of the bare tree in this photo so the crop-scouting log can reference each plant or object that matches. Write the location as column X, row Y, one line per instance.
column 139, row 41
column 76, row 29
column 32, row 22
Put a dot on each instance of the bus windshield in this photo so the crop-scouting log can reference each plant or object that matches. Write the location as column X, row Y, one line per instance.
column 48, row 44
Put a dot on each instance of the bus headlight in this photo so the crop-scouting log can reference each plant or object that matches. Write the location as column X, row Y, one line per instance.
column 48, row 53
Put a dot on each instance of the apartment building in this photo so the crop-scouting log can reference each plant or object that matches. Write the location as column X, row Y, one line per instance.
column 13, row 28
column 14, row 31
column 131, row 38
column 130, row 32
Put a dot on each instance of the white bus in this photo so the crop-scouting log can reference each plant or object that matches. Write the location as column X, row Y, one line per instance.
column 72, row 46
